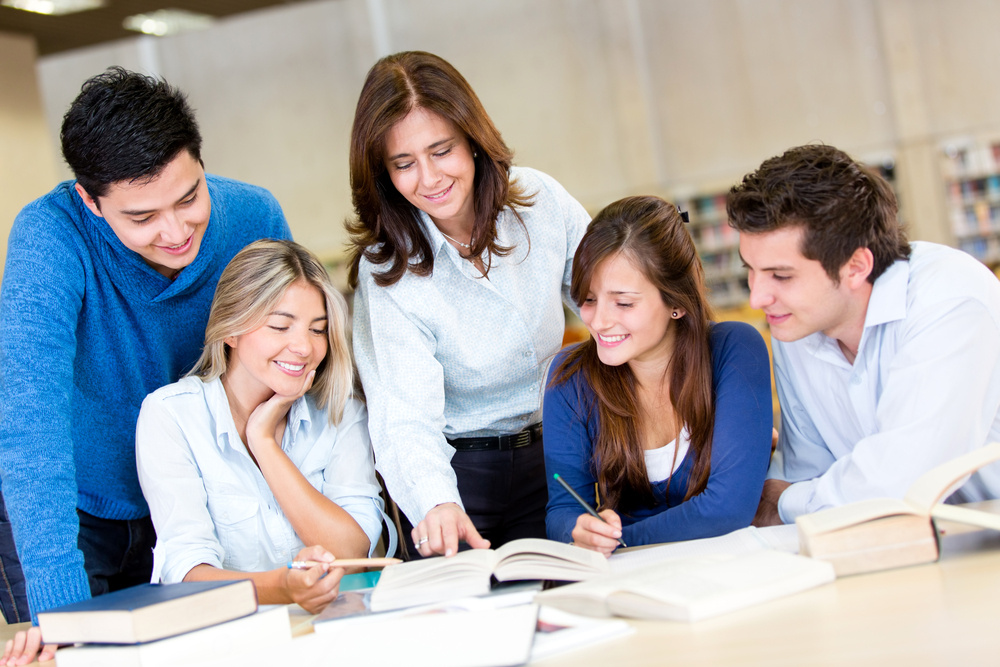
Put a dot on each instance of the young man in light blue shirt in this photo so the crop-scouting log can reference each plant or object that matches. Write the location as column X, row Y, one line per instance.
column 886, row 354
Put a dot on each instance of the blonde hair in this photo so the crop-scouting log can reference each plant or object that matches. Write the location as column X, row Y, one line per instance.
column 250, row 287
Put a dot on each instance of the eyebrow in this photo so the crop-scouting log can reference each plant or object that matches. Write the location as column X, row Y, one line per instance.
column 621, row 292
column 153, row 210
column 436, row 144
column 281, row 313
column 767, row 268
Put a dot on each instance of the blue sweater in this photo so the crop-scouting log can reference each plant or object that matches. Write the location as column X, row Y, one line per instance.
column 87, row 329
column 741, row 449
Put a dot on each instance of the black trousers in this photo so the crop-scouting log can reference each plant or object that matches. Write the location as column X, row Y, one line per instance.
column 504, row 493
column 116, row 553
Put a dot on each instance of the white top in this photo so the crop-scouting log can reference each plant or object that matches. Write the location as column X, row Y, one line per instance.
column 454, row 353
column 924, row 388
column 209, row 501
column 661, row 463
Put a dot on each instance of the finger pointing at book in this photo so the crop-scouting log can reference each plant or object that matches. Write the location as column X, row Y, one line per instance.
column 593, row 533
column 443, row 528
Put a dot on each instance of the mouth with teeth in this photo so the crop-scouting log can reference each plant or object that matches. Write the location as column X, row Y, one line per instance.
column 180, row 248
column 612, row 341
column 440, row 195
column 293, row 369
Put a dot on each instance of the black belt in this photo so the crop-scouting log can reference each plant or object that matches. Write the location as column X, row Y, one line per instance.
column 498, row 442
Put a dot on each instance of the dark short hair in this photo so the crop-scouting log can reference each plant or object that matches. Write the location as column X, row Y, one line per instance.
column 125, row 126
column 841, row 204
column 388, row 229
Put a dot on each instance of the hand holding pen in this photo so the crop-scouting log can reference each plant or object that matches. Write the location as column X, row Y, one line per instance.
column 590, row 534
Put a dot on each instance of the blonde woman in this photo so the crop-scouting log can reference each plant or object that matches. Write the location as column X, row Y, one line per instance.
column 261, row 454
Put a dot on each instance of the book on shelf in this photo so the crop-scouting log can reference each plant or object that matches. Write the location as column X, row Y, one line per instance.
column 469, row 572
column 148, row 612
column 694, row 588
column 883, row 533
column 245, row 637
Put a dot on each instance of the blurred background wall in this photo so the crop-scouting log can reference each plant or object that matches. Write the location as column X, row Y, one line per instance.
column 611, row 97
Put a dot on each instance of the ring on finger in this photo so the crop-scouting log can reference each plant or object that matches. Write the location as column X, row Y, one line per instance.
column 422, row 541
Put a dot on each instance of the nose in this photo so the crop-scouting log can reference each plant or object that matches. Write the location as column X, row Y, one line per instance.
column 298, row 342
column 430, row 174
column 176, row 230
column 760, row 297
column 599, row 320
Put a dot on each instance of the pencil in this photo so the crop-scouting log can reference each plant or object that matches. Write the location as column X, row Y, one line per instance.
column 583, row 503
column 344, row 562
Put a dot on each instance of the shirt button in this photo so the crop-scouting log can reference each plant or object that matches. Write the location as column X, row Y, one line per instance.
column 855, row 380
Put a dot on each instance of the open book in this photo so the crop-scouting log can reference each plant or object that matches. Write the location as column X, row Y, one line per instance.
column 694, row 588
column 883, row 533
column 468, row 572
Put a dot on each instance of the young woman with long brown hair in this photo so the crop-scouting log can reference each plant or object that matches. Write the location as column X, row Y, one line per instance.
column 461, row 268
column 662, row 418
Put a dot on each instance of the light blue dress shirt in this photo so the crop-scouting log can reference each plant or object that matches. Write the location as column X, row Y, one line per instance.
column 454, row 353
column 923, row 389
column 211, row 504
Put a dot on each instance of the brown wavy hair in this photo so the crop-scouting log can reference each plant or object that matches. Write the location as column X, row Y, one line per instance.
column 649, row 232
column 388, row 229
column 842, row 205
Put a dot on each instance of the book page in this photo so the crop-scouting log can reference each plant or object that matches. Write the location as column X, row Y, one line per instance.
column 780, row 538
column 836, row 518
column 934, row 485
column 737, row 542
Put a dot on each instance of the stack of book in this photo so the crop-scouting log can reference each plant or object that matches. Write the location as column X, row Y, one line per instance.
column 156, row 625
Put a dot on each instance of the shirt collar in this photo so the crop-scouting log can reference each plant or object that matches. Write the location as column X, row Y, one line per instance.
column 887, row 303
column 299, row 417
column 888, row 299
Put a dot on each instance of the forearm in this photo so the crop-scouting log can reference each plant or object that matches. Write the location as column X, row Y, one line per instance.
column 315, row 518
column 271, row 585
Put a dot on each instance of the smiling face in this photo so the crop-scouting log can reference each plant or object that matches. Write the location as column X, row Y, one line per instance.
column 796, row 294
column 625, row 314
column 430, row 162
column 275, row 357
column 163, row 220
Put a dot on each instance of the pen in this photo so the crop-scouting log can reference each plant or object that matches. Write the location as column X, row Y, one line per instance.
column 583, row 503
column 344, row 562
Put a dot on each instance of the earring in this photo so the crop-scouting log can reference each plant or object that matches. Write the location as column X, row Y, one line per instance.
column 675, row 314
column 475, row 154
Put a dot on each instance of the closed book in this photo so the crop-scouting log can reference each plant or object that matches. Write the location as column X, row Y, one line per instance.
column 247, row 636
column 148, row 612
column 470, row 572
column 883, row 533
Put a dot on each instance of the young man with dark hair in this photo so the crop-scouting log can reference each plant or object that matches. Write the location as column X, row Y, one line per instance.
column 886, row 355
column 105, row 296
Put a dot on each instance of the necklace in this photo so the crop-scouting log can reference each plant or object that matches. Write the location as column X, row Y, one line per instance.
column 464, row 245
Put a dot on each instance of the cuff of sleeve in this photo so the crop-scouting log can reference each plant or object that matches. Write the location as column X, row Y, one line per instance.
column 70, row 585
column 418, row 508
column 175, row 571
column 793, row 501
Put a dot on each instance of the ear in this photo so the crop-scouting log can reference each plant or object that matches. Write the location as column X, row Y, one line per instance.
column 231, row 341
column 677, row 313
column 89, row 201
column 854, row 273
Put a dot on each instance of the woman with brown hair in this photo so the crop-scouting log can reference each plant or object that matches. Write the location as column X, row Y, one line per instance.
column 461, row 263
column 662, row 418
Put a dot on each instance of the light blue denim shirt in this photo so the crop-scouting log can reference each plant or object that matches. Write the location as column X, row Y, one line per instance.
column 454, row 353
column 209, row 501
